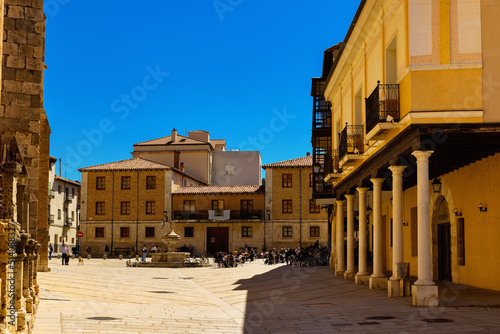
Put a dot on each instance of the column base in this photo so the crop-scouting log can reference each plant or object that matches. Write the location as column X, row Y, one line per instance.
column 377, row 283
column 394, row 288
column 425, row 295
column 349, row 275
column 339, row 272
column 362, row 278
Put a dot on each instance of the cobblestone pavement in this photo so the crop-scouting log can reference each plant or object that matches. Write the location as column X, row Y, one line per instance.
column 105, row 296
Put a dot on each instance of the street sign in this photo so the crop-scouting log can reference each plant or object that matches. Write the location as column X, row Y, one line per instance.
column 80, row 234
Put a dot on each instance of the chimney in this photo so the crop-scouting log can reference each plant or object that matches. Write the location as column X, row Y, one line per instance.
column 182, row 167
column 308, row 154
column 174, row 135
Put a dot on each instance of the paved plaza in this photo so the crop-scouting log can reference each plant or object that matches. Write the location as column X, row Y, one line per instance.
column 105, row 296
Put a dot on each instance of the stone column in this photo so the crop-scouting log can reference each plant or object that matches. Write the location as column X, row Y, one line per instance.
column 394, row 289
column 340, row 267
column 425, row 292
column 350, row 272
column 362, row 277
column 377, row 280
column 28, row 276
column 19, row 270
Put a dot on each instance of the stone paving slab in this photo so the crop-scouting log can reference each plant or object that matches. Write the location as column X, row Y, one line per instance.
column 105, row 296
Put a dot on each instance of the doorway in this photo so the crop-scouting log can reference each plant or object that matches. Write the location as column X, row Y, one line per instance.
column 444, row 252
column 217, row 239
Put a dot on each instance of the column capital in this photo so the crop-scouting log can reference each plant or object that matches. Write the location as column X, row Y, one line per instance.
column 422, row 155
column 350, row 197
column 362, row 190
column 340, row 202
column 397, row 170
column 377, row 181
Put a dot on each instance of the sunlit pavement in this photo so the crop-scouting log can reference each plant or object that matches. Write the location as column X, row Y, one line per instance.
column 105, row 296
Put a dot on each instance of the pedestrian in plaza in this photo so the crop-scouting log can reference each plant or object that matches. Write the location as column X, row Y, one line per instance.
column 65, row 254
column 144, row 253
column 51, row 249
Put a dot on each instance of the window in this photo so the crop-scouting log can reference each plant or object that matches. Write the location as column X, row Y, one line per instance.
column 313, row 208
column 286, row 206
column 150, row 182
column 99, row 232
column 287, row 231
column 99, row 208
column 246, row 205
column 100, row 183
column 124, row 232
column 125, row 182
column 246, row 231
column 150, row 207
column 125, row 208
column 460, row 242
column 59, row 189
column 310, row 179
column 229, row 170
column 190, row 206
column 58, row 213
column 314, row 231
column 286, row 180
column 189, row 232
column 218, row 204
column 150, row 232
column 73, row 191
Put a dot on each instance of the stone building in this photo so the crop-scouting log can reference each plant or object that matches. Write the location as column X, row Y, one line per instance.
column 214, row 218
column 122, row 204
column 293, row 218
column 24, row 163
column 406, row 114
column 64, row 209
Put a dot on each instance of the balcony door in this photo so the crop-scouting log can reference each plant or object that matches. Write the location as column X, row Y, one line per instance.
column 391, row 67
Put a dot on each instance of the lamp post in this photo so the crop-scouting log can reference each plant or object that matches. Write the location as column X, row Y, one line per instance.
column 436, row 186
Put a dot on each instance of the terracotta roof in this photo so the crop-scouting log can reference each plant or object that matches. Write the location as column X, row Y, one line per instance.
column 220, row 190
column 306, row 161
column 135, row 163
column 181, row 140
column 76, row 183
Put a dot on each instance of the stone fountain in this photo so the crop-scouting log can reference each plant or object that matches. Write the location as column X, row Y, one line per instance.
column 168, row 258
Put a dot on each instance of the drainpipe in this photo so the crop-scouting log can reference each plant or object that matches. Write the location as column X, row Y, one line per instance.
column 112, row 211
column 137, row 218
column 300, row 206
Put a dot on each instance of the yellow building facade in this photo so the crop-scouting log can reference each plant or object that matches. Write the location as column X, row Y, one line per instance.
column 293, row 218
column 404, row 122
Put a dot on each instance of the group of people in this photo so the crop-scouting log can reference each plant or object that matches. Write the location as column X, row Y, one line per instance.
column 65, row 253
column 310, row 256
column 232, row 259
column 153, row 249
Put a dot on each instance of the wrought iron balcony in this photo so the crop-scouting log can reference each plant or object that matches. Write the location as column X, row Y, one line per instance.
column 184, row 215
column 51, row 219
column 382, row 105
column 351, row 140
column 68, row 222
column 322, row 112
column 204, row 214
column 68, row 198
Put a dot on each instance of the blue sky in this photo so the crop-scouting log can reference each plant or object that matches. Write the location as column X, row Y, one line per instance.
column 122, row 72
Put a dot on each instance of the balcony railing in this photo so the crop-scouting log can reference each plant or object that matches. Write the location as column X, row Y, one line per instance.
column 204, row 214
column 322, row 112
column 382, row 105
column 51, row 219
column 68, row 198
column 351, row 140
column 68, row 222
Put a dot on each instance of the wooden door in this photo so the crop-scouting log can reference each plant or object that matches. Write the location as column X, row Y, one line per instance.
column 217, row 239
column 444, row 252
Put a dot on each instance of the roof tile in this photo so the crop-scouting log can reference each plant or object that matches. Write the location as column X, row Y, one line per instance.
column 306, row 161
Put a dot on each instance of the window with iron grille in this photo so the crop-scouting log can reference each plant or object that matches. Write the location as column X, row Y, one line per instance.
column 150, row 232
column 286, row 206
column 150, row 182
column 125, row 182
column 99, row 208
column 150, row 207
column 246, row 231
column 124, row 232
column 100, row 183
column 189, row 232
column 125, row 208
column 314, row 231
column 286, row 180
column 313, row 208
column 287, row 232
column 99, row 232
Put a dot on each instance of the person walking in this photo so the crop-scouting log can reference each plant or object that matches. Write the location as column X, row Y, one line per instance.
column 65, row 254
column 51, row 249
column 144, row 253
